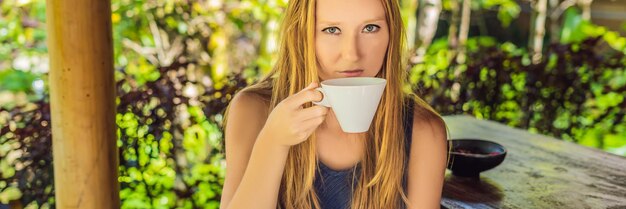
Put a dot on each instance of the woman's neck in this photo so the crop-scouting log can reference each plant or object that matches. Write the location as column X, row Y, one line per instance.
column 337, row 149
column 331, row 127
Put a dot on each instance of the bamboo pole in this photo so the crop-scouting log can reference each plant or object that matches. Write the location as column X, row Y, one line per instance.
column 427, row 21
column 538, row 32
column 556, row 10
column 555, row 28
column 585, row 5
column 409, row 15
column 453, row 31
column 464, row 31
column 82, row 104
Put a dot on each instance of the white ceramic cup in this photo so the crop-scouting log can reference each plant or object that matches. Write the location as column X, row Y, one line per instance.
column 354, row 100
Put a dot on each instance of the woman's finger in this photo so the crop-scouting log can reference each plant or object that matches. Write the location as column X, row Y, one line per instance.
column 313, row 122
column 308, row 94
column 312, row 112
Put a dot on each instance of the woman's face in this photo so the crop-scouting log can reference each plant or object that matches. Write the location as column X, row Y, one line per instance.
column 351, row 38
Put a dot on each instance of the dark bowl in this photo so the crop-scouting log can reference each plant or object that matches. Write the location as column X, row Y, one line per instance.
column 469, row 157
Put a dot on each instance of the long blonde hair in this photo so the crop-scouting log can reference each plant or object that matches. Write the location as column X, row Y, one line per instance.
column 384, row 161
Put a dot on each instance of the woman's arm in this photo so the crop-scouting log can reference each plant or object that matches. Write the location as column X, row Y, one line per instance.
column 427, row 162
column 260, row 184
column 246, row 117
column 257, row 144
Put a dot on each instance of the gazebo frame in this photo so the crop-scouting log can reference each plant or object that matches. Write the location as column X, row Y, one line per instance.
column 82, row 102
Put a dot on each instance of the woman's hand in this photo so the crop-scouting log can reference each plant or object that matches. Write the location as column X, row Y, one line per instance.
column 289, row 123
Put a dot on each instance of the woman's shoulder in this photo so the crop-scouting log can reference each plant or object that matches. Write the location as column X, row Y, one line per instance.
column 251, row 103
column 256, row 96
column 244, row 118
column 425, row 116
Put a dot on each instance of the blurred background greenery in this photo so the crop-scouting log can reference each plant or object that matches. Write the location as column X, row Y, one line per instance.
column 555, row 67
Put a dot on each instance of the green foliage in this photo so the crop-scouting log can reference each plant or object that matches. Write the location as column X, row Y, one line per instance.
column 25, row 155
column 170, row 141
column 508, row 10
column 9, row 194
column 16, row 80
column 575, row 30
column 150, row 34
column 22, row 44
column 574, row 94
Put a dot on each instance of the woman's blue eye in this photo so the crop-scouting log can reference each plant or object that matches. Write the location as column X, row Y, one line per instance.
column 331, row 30
column 371, row 28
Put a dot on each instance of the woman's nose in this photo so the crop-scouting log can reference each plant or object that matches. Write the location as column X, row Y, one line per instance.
column 350, row 48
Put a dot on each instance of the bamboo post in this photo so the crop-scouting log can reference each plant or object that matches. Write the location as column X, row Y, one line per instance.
column 409, row 10
column 427, row 21
column 538, row 30
column 464, row 31
column 556, row 10
column 555, row 29
column 453, row 30
column 82, row 104
column 585, row 5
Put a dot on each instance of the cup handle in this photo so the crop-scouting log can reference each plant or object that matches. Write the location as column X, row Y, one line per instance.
column 324, row 101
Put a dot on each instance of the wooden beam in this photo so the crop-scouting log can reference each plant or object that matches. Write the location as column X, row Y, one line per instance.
column 82, row 99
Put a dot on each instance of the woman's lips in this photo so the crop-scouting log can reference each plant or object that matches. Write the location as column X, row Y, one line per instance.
column 351, row 73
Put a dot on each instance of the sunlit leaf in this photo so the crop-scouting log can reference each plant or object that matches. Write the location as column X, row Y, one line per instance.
column 9, row 194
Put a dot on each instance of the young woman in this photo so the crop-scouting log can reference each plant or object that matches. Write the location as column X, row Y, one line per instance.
column 284, row 152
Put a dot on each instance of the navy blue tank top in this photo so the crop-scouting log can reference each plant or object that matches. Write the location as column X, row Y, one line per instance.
column 334, row 188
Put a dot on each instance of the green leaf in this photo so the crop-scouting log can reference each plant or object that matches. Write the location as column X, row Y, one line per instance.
column 6, row 169
column 8, row 172
column 135, row 204
column 438, row 45
column 614, row 141
column 182, row 28
column 572, row 19
column 562, row 121
column 590, row 138
column 610, row 99
column 214, row 205
column 615, row 40
column 16, row 80
column 508, row 12
column 9, row 194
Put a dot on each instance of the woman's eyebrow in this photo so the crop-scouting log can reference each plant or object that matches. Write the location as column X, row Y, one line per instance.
column 327, row 22
column 380, row 18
